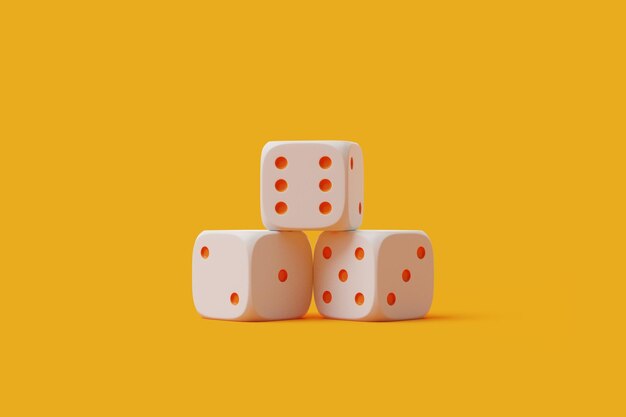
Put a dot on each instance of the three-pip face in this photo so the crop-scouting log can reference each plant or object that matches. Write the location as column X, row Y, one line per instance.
column 312, row 185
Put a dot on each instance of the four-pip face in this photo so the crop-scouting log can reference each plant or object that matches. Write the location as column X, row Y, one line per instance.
column 312, row 185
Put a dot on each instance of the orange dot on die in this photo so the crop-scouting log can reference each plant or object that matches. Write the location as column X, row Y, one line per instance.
column 343, row 275
column 234, row 298
column 421, row 252
column 325, row 207
column 327, row 297
column 391, row 298
column 281, row 162
column 204, row 252
column 359, row 253
column 281, row 207
column 325, row 185
column 325, row 162
column 406, row 275
column 351, row 163
column 280, row 185
column 327, row 252
column 360, row 208
column 359, row 298
column 282, row 275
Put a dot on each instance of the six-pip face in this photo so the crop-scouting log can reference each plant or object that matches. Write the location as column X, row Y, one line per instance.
column 312, row 185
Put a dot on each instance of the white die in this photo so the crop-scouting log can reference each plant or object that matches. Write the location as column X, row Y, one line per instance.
column 311, row 185
column 373, row 275
column 251, row 275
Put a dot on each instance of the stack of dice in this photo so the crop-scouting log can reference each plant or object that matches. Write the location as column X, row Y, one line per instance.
column 258, row 275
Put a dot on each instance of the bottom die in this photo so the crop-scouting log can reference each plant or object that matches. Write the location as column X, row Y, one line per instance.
column 373, row 275
column 251, row 275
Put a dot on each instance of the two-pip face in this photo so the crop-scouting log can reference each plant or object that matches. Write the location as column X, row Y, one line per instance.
column 312, row 185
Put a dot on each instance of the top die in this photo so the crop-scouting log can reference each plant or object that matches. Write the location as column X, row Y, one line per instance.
column 312, row 185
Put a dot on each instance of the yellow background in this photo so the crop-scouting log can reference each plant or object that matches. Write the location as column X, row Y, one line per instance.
column 127, row 128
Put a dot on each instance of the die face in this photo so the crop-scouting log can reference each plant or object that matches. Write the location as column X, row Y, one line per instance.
column 344, row 275
column 220, row 282
column 355, row 187
column 305, row 185
column 282, row 276
column 405, row 275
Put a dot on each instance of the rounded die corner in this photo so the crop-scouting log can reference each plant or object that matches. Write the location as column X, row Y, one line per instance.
column 199, row 237
column 269, row 145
